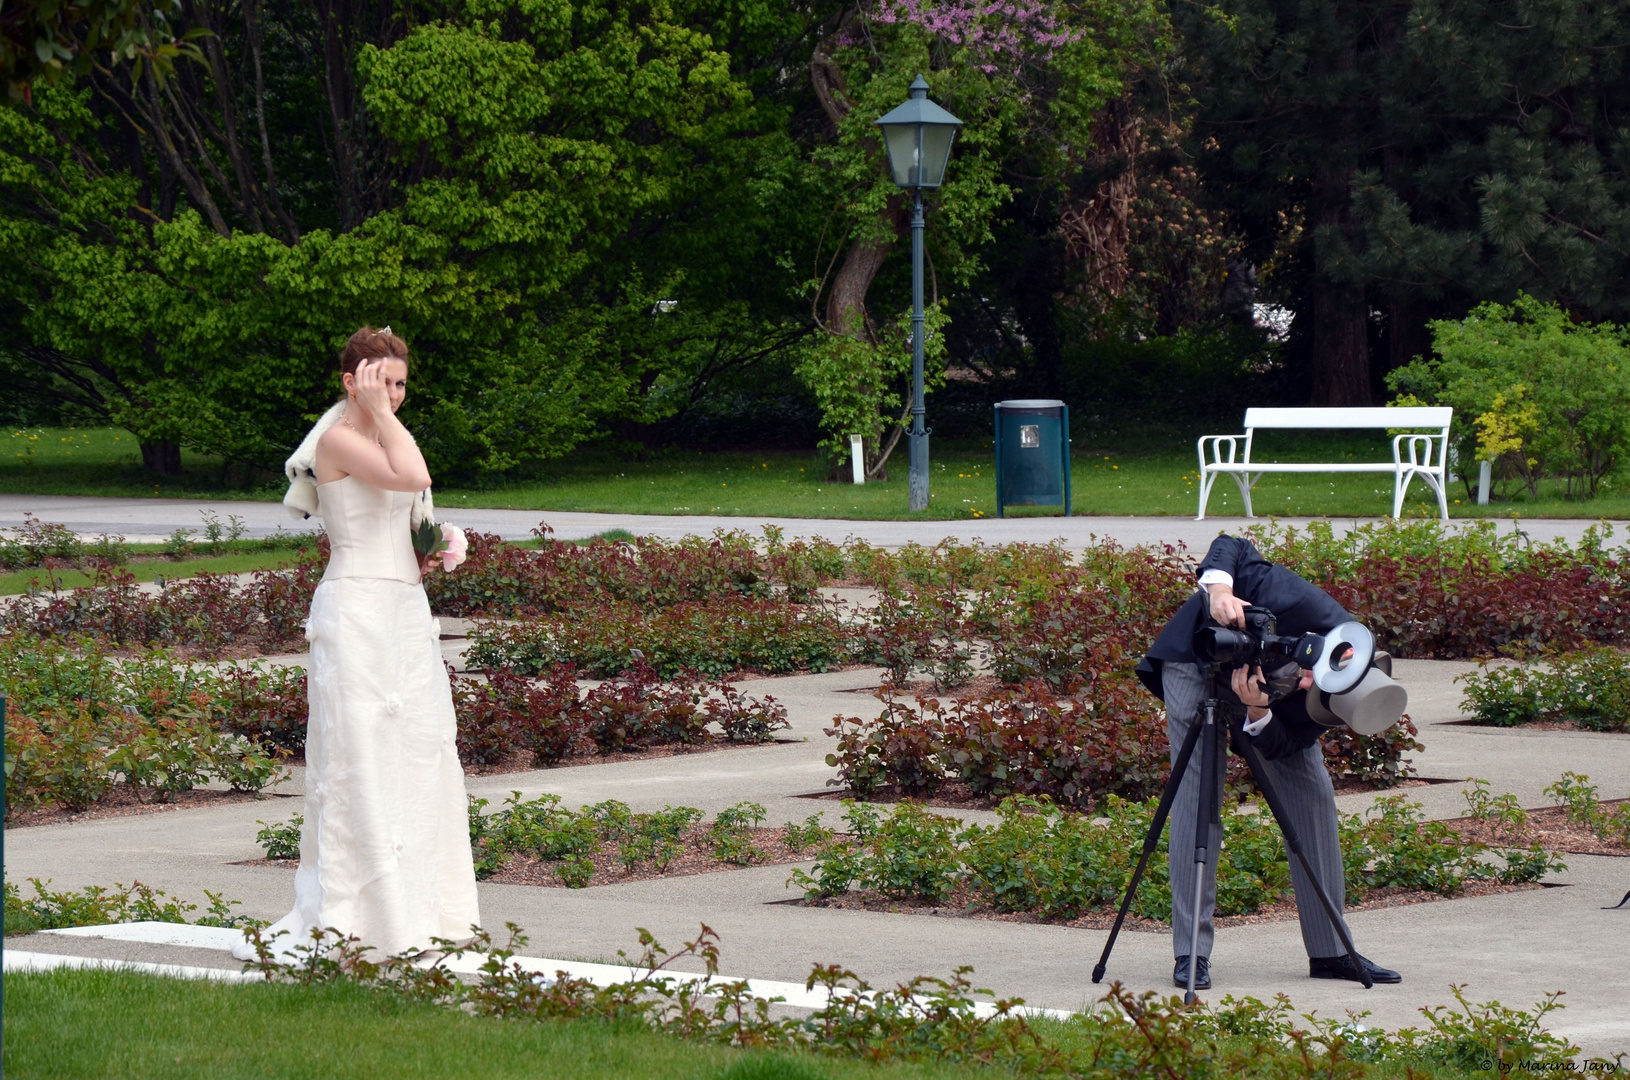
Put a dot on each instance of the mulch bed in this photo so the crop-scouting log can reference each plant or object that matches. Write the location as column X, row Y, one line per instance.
column 977, row 687
column 1539, row 725
column 697, row 858
column 965, row 904
column 122, row 801
column 1549, row 826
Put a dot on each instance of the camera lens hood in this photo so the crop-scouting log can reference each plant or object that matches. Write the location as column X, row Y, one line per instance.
column 1348, row 650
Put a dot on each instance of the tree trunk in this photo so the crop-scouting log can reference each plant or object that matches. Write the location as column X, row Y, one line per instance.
column 846, row 316
column 1341, row 315
column 846, row 303
column 1341, row 347
column 163, row 458
column 1407, row 335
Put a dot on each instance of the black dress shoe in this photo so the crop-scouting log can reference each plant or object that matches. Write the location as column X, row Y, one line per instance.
column 1341, row 967
column 1202, row 977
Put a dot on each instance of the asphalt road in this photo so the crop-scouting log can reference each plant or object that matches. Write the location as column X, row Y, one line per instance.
column 150, row 520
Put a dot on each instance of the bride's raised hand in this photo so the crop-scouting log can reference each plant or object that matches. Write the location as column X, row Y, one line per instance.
column 371, row 388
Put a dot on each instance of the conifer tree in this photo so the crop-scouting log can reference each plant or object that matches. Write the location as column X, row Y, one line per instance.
column 1413, row 159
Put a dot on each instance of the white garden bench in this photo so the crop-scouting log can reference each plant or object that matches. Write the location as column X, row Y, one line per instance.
column 1425, row 455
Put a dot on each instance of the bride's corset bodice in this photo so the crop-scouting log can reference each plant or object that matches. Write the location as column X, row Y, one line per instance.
column 368, row 531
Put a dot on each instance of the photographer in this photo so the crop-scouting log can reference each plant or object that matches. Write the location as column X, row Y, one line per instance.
column 1233, row 575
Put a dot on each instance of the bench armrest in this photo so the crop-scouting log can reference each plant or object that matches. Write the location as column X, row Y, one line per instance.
column 1216, row 445
column 1416, row 446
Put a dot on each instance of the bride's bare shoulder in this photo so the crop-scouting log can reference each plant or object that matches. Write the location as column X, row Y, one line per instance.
column 337, row 451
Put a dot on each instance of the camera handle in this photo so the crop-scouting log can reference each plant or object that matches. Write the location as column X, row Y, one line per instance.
column 1209, row 812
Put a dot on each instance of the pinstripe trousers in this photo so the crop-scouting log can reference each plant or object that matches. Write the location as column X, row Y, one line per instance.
column 1310, row 801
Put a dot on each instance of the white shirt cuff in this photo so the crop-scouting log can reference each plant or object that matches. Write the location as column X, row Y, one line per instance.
column 1254, row 728
column 1216, row 577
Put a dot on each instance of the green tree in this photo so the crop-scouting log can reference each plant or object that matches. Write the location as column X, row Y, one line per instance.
column 49, row 40
column 528, row 192
column 1028, row 80
column 1533, row 390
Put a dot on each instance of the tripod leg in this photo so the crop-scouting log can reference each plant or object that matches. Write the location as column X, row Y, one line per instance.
column 1294, row 843
column 1209, row 811
column 1151, row 841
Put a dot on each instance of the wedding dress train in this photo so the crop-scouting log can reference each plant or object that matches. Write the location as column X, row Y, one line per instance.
column 385, row 848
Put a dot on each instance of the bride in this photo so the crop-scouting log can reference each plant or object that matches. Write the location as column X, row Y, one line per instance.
column 385, row 849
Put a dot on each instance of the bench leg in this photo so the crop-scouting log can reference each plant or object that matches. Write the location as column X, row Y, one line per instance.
column 1400, row 486
column 1244, row 482
column 1241, row 481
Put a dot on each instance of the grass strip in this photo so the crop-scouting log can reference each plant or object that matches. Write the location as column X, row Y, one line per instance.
column 1148, row 472
column 149, row 569
column 88, row 1024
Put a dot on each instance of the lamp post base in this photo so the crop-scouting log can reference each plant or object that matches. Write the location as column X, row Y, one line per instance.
column 918, row 480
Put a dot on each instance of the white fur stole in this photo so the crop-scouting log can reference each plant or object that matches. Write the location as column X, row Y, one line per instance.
column 301, row 469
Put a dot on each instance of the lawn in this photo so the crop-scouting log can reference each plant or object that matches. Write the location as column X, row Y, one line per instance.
column 90, row 1024
column 1149, row 472
column 83, row 1025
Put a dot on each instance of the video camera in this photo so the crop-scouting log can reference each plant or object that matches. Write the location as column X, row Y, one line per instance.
column 1352, row 683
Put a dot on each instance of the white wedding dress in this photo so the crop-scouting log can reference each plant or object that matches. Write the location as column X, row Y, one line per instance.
column 385, row 849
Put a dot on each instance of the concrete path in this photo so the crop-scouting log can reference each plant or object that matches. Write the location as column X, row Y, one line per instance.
column 153, row 520
column 1513, row 947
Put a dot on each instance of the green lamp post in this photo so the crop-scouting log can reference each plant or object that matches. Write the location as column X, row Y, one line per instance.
column 918, row 136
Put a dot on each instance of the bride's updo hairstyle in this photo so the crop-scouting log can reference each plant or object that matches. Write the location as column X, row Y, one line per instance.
column 371, row 344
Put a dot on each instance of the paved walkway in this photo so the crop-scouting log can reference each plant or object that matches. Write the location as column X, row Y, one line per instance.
column 152, row 520
column 1513, row 947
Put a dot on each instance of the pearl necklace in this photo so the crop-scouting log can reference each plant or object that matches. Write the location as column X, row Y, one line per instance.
column 345, row 418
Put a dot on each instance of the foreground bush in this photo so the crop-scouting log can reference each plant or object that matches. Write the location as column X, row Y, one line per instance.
column 79, row 721
column 265, row 702
column 99, row 906
column 45, row 543
column 212, row 613
column 713, row 637
column 1029, row 611
column 1108, row 738
column 940, row 1021
column 70, row 758
column 1443, row 594
column 509, row 713
column 1057, row 865
column 503, row 580
column 1577, row 797
column 1589, row 687
column 76, row 1024
column 569, row 840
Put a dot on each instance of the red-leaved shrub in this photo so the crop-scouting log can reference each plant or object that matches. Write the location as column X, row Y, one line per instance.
column 552, row 718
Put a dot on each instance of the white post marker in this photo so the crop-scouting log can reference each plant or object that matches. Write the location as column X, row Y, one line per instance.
column 1484, row 469
column 857, row 457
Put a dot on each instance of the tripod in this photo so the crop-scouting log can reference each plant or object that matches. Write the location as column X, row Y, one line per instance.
column 1209, row 817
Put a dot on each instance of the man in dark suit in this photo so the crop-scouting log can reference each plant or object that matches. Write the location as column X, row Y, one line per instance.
column 1233, row 575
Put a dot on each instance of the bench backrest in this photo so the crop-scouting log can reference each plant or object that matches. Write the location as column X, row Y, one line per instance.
column 1411, row 416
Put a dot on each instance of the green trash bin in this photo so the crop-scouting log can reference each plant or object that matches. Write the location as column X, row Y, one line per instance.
column 1032, row 454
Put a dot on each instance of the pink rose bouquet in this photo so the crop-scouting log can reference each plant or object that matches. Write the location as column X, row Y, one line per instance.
column 446, row 541
column 457, row 549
